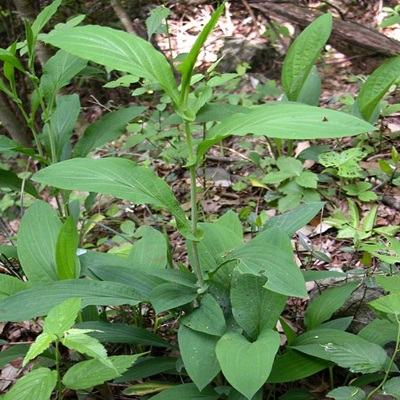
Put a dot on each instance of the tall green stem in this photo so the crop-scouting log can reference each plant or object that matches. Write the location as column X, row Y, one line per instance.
column 193, row 204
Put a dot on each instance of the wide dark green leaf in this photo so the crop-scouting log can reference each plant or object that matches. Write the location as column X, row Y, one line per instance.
column 118, row 177
column 117, row 50
column 37, row 247
column 302, row 55
column 12, row 353
column 198, row 353
column 10, row 180
column 187, row 391
column 38, row 300
column 106, row 129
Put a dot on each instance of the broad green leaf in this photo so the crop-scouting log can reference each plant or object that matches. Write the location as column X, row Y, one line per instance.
column 170, row 295
column 156, row 19
column 181, row 277
column 293, row 220
column 321, row 308
column 230, row 220
column 39, row 300
column 392, row 387
column 254, row 307
column 87, row 374
column 41, row 343
column 117, row 50
column 106, row 129
column 107, row 332
column 208, row 318
column 145, row 367
column 218, row 112
column 376, row 86
column 187, row 391
column 186, row 68
column 380, row 331
column 347, row 393
column 343, row 348
column 389, row 304
column 246, row 365
column 270, row 254
column 293, row 365
column 10, row 180
column 13, row 352
column 61, row 126
column 62, row 317
column 38, row 384
column 44, row 17
column 297, row 394
column 10, row 285
column 286, row 121
column 141, row 258
column 58, row 72
column 118, row 177
column 389, row 283
column 311, row 89
column 37, row 247
column 146, row 388
column 302, row 55
column 7, row 144
column 76, row 340
column 198, row 353
column 66, row 247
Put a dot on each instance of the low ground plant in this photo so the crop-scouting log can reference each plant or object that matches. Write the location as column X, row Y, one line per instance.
column 213, row 319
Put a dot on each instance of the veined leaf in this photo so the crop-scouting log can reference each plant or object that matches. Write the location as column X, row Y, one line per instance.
column 38, row 384
column 39, row 300
column 44, row 17
column 41, row 343
column 302, row 55
column 10, row 180
column 286, row 121
column 375, row 87
column 347, row 393
column 117, row 50
column 118, row 177
column 187, row 391
column 37, row 247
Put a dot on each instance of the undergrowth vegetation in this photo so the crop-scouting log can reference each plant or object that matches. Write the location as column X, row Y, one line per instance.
column 124, row 309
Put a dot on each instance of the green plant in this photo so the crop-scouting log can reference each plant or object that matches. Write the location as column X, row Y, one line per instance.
column 392, row 17
column 231, row 295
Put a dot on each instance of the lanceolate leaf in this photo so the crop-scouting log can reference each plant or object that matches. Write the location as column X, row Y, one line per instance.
column 37, row 247
column 106, row 129
column 302, row 55
column 117, row 50
column 376, row 86
column 40, row 299
column 118, row 177
column 10, row 180
column 286, row 121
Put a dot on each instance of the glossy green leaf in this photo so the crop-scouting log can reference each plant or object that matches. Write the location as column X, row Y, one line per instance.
column 58, row 72
column 343, row 348
column 39, row 300
column 321, row 308
column 170, row 295
column 44, row 16
column 118, row 177
column 208, row 318
column 293, row 365
column 140, row 257
column 61, row 126
column 66, row 247
column 37, row 247
column 187, row 391
column 392, row 387
column 246, row 365
column 90, row 373
column 376, row 86
column 311, row 89
column 38, row 384
column 270, row 254
column 107, row 332
column 302, row 55
column 380, row 331
column 347, row 393
column 117, row 50
column 286, row 121
column 198, row 353
column 62, row 317
column 10, row 180
column 41, row 343
column 254, row 307
column 106, row 129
